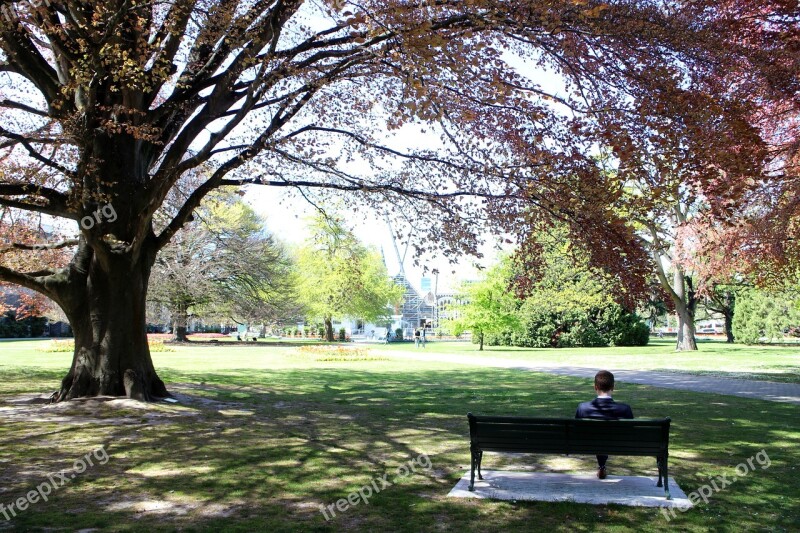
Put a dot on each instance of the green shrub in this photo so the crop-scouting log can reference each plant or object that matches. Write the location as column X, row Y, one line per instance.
column 32, row 326
column 763, row 317
column 542, row 327
column 342, row 334
column 398, row 334
column 580, row 332
column 624, row 328
column 635, row 334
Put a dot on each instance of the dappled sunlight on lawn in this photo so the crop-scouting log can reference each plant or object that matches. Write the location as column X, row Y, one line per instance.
column 258, row 447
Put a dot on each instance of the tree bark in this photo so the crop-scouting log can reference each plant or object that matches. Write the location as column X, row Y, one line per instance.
column 729, row 338
column 685, row 306
column 329, row 329
column 180, row 319
column 727, row 309
column 480, row 341
column 723, row 302
column 686, row 330
column 106, row 310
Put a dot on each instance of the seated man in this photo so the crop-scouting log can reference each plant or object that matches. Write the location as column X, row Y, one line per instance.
column 603, row 407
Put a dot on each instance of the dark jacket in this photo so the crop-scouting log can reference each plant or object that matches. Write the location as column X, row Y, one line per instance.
column 605, row 409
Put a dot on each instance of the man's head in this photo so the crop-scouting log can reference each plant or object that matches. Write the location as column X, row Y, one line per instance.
column 604, row 382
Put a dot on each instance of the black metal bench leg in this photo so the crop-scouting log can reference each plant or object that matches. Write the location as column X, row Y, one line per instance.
column 480, row 460
column 666, row 479
column 660, row 473
column 474, row 463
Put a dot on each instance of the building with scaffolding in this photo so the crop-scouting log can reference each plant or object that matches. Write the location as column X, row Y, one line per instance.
column 416, row 310
column 422, row 306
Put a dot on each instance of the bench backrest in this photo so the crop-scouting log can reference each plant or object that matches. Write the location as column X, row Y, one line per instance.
column 646, row 437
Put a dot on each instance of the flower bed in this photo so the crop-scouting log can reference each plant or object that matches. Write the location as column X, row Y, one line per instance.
column 337, row 353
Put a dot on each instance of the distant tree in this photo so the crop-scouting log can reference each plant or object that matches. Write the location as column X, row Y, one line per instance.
column 721, row 299
column 223, row 264
column 341, row 278
column 702, row 246
column 656, row 306
column 660, row 233
column 486, row 306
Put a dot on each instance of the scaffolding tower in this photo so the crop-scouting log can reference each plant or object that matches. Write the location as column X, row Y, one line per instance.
column 416, row 311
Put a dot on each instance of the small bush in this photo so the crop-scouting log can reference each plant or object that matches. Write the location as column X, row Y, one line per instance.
column 342, row 335
column 637, row 334
column 582, row 332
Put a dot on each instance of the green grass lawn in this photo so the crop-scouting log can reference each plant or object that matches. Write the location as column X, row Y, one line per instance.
column 771, row 363
column 269, row 434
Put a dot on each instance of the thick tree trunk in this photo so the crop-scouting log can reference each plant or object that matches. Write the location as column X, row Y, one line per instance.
column 329, row 329
column 686, row 330
column 723, row 302
column 685, row 305
column 729, row 327
column 480, row 341
column 180, row 319
column 107, row 313
column 728, row 306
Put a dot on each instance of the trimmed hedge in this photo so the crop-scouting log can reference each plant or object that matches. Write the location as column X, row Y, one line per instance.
column 11, row 328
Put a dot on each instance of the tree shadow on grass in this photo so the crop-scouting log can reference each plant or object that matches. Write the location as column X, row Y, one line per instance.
column 266, row 449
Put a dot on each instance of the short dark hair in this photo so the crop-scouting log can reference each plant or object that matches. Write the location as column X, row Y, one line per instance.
column 604, row 381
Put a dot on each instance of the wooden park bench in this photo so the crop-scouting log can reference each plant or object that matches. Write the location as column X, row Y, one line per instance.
column 640, row 437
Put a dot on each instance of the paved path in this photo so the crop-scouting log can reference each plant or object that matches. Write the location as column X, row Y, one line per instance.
column 763, row 390
column 577, row 488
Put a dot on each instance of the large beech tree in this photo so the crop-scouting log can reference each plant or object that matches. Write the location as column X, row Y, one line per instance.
column 109, row 104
